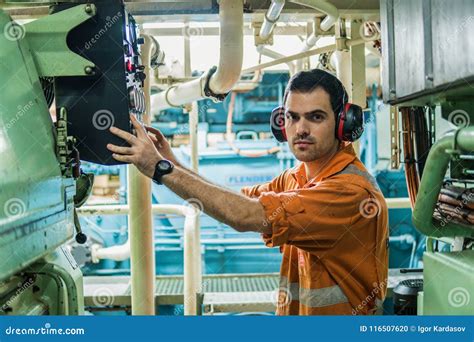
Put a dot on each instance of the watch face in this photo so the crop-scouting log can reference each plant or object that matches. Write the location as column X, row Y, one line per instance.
column 164, row 165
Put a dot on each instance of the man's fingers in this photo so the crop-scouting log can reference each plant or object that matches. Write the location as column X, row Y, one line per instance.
column 122, row 134
column 156, row 132
column 120, row 149
column 122, row 158
column 138, row 126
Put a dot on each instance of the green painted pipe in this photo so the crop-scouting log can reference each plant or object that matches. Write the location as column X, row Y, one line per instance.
column 432, row 180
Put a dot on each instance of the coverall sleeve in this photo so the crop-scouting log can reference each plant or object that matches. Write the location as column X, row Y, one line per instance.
column 314, row 218
column 276, row 185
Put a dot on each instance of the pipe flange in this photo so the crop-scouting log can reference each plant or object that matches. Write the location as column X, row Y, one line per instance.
column 207, row 90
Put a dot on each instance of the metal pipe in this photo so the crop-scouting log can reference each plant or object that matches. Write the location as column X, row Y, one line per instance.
column 323, row 49
column 275, row 55
column 191, row 252
column 142, row 248
column 461, row 140
column 271, row 18
column 332, row 15
column 193, row 136
column 123, row 209
column 290, row 58
column 398, row 203
column 230, row 62
column 342, row 61
column 307, row 44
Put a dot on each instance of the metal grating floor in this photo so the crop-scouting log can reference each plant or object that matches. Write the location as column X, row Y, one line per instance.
column 221, row 292
column 235, row 289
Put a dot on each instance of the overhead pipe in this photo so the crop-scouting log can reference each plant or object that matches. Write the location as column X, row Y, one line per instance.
column 307, row 44
column 191, row 252
column 332, row 15
column 271, row 17
column 230, row 63
column 312, row 52
column 286, row 59
column 432, row 180
column 275, row 55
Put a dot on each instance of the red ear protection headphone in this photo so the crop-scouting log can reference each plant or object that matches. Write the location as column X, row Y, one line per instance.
column 349, row 122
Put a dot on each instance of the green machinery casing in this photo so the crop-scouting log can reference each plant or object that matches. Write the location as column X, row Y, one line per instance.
column 433, row 65
column 36, row 201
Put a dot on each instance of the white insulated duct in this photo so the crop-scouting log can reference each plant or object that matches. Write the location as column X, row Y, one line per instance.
column 230, row 62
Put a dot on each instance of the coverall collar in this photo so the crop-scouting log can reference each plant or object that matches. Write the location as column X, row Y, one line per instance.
column 343, row 157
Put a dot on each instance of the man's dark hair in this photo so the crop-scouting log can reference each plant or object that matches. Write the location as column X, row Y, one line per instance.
column 308, row 81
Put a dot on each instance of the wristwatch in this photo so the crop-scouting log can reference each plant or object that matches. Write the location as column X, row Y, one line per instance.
column 163, row 167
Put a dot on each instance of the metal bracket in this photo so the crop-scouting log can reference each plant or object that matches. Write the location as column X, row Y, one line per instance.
column 256, row 34
column 341, row 35
column 317, row 28
column 47, row 41
column 394, row 138
column 63, row 143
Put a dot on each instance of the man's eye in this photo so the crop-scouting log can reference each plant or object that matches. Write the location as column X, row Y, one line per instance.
column 316, row 117
column 291, row 116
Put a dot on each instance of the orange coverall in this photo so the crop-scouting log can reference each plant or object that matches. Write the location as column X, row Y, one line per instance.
column 333, row 233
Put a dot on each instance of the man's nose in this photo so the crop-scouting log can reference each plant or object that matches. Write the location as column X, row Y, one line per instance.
column 302, row 127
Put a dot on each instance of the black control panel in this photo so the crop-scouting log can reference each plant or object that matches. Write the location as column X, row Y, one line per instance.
column 109, row 92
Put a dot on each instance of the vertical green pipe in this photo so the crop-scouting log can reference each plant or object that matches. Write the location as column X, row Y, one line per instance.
column 436, row 166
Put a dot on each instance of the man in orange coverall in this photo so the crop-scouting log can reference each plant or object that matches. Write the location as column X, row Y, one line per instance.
column 327, row 214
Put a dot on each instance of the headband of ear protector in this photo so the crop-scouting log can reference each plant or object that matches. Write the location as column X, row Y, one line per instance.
column 349, row 122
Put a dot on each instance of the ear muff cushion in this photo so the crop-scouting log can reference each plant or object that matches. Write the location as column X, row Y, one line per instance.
column 277, row 124
column 351, row 123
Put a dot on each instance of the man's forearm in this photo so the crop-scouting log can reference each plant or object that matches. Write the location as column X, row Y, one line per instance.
column 194, row 173
column 231, row 208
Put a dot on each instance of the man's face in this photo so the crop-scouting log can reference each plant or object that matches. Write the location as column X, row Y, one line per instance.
column 310, row 125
